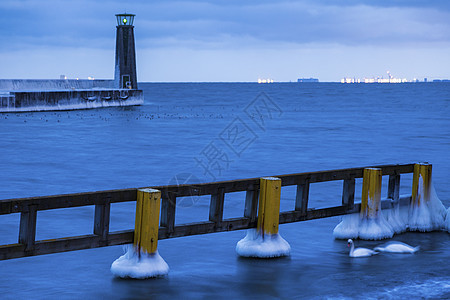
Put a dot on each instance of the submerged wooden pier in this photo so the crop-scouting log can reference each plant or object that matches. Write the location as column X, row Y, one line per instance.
column 102, row 200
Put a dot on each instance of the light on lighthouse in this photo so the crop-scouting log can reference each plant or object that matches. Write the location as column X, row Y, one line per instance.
column 125, row 19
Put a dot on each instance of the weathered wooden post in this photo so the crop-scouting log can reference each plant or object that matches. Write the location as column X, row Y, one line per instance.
column 147, row 220
column 421, row 182
column 269, row 206
column 142, row 260
column 371, row 193
column 265, row 241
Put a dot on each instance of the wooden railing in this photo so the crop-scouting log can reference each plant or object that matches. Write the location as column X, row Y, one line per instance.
column 101, row 237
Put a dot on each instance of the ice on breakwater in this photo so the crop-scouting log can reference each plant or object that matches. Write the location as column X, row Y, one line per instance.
column 254, row 244
column 428, row 215
column 139, row 265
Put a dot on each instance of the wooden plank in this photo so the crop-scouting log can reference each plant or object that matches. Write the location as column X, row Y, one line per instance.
column 209, row 227
column 102, row 218
column 302, row 197
column 216, row 206
column 394, row 187
column 168, row 206
column 202, row 189
column 297, row 216
column 5, row 207
column 65, row 201
column 66, row 244
column 341, row 174
column 27, row 230
column 348, row 192
column 82, row 199
column 251, row 204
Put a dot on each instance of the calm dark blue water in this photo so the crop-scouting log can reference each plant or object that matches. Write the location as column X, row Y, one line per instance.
column 183, row 127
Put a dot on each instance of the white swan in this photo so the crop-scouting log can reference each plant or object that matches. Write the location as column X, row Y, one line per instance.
column 397, row 247
column 359, row 252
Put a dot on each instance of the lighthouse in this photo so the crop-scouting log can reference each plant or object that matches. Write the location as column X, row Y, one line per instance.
column 125, row 69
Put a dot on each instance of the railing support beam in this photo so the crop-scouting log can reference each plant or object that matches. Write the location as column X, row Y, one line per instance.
column 216, row 206
column 394, row 187
column 251, row 204
column 168, row 206
column 348, row 193
column 102, row 219
column 27, row 230
column 302, row 196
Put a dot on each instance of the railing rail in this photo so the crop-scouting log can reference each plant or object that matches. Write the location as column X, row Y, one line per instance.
column 28, row 208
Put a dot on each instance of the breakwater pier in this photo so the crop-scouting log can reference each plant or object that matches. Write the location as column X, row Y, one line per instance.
column 42, row 95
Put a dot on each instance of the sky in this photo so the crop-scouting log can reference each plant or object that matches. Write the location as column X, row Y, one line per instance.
column 228, row 40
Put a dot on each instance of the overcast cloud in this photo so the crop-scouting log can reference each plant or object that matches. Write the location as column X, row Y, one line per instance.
column 189, row 40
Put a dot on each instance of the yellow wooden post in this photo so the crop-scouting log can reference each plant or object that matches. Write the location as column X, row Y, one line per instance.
column 269, row 205
column 371, row 193
column 421, row 171
column 147, row 220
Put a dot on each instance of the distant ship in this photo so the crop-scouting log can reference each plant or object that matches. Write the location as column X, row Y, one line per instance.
column 268, row 80
column 307, row 80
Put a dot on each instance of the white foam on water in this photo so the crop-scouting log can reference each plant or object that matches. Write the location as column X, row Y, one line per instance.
column 255, row 245
column 429, row 215
column 133, row 265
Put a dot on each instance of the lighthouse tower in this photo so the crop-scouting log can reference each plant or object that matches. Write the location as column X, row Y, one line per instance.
column 125, row 71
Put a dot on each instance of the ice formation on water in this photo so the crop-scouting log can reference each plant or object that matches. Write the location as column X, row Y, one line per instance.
column 256, row 245
column 353, row 226
column 130, row 265
column 447, row 220
column 429, row 215
column 397, row 217
column 348, row 228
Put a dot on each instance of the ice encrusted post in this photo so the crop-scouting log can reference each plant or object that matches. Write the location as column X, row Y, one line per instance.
column 142, row 260
column 422, row 178
column 373, row 225
column 370, row 223
column 426, row 211
column 265, row 241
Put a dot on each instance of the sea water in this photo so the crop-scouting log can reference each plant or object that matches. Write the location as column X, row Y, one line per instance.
column 170, row 138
